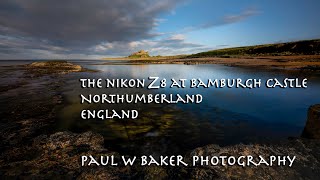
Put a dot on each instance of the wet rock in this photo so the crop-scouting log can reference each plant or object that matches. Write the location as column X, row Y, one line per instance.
column 312, row 128
column 306, row 165
column 97, row 174
column 53, row 67
column 64, row 140
column 58, row 156
column 152, row 172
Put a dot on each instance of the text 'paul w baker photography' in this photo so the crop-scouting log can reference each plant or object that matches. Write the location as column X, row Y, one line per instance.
column 244, row 161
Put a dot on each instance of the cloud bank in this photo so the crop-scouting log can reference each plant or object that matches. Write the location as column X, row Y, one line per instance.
column 90, row 29
column 170, row 46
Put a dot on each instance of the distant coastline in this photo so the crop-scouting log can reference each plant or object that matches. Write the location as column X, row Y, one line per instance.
column 300, row 55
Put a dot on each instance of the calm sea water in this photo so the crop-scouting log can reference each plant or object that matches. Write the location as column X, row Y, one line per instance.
column 226, row 116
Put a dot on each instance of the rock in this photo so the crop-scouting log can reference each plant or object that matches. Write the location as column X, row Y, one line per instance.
column 58, row 156
column 53, row 67
column 306, row 165
column 97, row 174
column 64, row 140
column 312, row 128
column 154, row 172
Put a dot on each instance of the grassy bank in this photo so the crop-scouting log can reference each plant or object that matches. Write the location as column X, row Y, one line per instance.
column 307, row 47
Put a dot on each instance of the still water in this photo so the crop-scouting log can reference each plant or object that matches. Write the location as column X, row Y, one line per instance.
column 225, row 116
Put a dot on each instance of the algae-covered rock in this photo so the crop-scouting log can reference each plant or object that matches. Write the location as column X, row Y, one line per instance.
column 58, row 155
column 53, row 67
column 305, row 166
column 64, row 140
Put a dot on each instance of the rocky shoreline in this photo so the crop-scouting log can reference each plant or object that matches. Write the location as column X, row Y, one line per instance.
column 58, row 156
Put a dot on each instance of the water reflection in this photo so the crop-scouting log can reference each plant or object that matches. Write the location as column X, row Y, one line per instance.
column 225, row 116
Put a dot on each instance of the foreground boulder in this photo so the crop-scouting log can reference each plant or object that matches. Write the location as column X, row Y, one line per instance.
column 312, row 128
column 58, row 156
column 306, row 165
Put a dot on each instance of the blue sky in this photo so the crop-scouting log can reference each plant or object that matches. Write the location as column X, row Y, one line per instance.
column 274, row 21
column 99, row 28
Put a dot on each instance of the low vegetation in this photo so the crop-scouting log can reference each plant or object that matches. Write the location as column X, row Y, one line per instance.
column 307, row 47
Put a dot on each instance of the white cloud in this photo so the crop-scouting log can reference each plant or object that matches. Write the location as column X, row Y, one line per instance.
column 179, row 37
column 243, row 15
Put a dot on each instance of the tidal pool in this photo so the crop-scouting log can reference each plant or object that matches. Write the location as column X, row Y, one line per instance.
column 225, row 116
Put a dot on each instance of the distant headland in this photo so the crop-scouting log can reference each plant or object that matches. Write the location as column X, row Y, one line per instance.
column 139, row 54
column 301, row 55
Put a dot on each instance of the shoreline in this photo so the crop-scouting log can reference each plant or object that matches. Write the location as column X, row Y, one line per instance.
column 294, row 62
